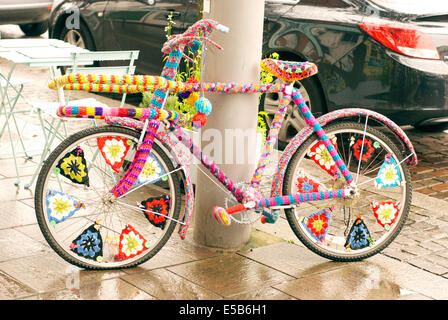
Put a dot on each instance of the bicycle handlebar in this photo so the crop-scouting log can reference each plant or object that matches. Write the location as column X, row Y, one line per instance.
column 222, row 28
column 199, row 31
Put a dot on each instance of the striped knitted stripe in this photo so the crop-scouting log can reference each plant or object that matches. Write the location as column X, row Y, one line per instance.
column 312, row 122
column 301, row 198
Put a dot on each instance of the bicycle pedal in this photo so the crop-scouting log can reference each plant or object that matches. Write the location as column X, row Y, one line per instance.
column 269, row 217
column 222, row 216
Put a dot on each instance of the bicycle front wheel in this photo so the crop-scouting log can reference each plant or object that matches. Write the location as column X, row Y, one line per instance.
column 87, row 225
column 355, row 228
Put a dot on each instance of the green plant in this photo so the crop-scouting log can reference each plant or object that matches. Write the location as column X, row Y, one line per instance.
column 192, row 71
column 266, row 77
column 262, row 124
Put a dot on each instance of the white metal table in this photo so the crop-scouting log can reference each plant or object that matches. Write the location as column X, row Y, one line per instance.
column 50, row 53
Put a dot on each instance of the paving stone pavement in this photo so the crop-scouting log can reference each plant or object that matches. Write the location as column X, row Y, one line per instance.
column 272, row 266
column 430, row 177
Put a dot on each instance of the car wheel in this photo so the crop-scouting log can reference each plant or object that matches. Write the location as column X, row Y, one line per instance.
column 34, row 29
column 78, row 37
column 293, row 122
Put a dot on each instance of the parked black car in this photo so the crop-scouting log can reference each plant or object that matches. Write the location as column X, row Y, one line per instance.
column 31, row 15
column 390, row 56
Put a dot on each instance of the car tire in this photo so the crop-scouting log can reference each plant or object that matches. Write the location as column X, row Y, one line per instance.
column 431, row 128
column 34, row 29
column 293, row 122
column 78, row 37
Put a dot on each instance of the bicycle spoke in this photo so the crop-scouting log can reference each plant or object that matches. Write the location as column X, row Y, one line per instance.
column 113, row 220
column 361, row 225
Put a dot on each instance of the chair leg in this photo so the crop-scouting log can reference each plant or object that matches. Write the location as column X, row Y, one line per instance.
column 49, row 138
column 12, row 112
column 17, row 182
column 8, row 116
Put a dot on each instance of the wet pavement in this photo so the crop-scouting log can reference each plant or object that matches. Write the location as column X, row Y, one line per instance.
column 272, row 266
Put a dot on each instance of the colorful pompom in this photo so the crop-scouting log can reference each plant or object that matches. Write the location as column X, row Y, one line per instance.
column 184, row 95
column 192, row 98
column 199, row 120
column 204, row 106
column 195, row 45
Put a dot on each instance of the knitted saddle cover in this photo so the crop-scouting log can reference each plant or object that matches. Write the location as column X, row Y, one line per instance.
column 289, row 71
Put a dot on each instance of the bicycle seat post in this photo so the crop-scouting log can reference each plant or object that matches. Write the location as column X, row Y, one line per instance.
column 289, row 87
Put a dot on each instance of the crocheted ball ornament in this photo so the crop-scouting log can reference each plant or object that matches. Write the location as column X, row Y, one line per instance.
column 195, row 45
column 184, row 95
column 203, row 105
column 199, row 120
column 192, row 98
column 203, row 108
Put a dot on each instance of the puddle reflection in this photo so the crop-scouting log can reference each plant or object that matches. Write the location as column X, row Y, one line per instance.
column 351, row 281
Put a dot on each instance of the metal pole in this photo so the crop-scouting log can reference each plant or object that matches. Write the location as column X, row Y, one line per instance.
column 232, row 114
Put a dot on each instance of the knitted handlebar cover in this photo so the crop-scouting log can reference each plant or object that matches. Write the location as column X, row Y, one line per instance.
column 135, row 84
column 86, row 112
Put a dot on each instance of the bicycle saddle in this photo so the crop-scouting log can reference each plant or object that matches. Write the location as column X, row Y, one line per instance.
column 289, row 71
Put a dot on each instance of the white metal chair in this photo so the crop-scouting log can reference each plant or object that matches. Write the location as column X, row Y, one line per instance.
column 54, row 127
column 10, row 92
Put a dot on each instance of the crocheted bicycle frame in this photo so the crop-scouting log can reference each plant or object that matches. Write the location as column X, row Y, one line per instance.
column 152, row 116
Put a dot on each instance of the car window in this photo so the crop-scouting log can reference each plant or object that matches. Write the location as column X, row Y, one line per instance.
column 324, row 3
column 414, row 6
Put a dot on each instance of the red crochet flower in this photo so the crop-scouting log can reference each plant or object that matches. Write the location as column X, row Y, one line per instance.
column 305, row 184
column 318, row 152
column 152, row 206
column 192, row 80
column 317, row 224
column 131, row 244
column 367, row 150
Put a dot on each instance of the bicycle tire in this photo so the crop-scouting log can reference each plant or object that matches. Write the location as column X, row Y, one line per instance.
column 112, row 216
column 334, row 245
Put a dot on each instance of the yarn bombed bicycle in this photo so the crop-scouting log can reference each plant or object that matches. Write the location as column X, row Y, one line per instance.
column 111, row 196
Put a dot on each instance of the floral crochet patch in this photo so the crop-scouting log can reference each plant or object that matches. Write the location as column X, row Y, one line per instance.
column 367, row 149
column 389, row 174
column 153, row 206
column 385, row 212
column 89, row 244
column 152, row 172
column 317, row 223
column 306, row 183
column 61, row 206
column 359, row 236
column 131, row 244
column 73, row 166
column 114, row 150
column 320, row 155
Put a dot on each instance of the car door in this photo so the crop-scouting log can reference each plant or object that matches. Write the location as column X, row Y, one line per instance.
column 140, row 25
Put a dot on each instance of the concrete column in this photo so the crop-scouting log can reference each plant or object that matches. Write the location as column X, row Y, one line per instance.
column 238, row 62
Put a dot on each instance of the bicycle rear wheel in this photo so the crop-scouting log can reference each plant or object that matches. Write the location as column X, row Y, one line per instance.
column 88, row 226
column 357, row 228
